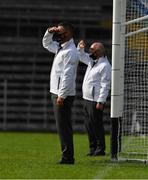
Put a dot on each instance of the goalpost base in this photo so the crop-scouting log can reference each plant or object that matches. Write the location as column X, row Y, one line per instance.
column 115, row 138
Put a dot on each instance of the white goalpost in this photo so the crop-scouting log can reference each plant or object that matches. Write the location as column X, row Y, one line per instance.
column 129, row 91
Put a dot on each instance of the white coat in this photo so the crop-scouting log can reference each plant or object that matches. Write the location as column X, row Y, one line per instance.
column 64, row 68
column 96, row 83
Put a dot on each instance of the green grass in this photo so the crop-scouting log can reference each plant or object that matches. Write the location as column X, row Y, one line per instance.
column 35, row 156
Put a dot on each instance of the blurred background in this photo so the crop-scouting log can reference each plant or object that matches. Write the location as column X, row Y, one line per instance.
column 25, row 103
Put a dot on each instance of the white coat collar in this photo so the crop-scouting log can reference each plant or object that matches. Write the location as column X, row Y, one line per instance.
column 101, row 59
column 67, row 43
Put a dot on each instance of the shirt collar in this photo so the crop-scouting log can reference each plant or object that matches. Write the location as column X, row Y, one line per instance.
column 101, row 59
column 67, row 43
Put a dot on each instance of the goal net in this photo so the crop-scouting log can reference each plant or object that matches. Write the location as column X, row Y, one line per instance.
column 131, row 105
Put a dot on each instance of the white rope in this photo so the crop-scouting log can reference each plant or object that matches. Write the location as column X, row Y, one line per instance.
column 136, row 32
column 135, row 20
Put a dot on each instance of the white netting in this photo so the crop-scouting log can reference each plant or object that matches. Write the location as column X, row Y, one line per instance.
column 134, row 126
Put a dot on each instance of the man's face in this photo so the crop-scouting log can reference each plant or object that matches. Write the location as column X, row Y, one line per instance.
column 93, row 52
column 62, row 35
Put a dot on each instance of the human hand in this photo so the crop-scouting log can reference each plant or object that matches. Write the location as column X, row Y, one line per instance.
column 81, row 44
column 100, row 106
column 60, row 101
column 53, row 29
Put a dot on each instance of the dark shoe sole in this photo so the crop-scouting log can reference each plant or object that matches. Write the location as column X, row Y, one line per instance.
column 63, row 161
column 90, row 154
column 99, row 154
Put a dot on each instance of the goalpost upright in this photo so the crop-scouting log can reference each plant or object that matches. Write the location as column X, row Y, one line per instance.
column 129, row 117
column 118, row 35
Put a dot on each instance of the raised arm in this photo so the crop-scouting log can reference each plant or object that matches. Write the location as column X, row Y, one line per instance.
column 47, row 41
column 83, row 56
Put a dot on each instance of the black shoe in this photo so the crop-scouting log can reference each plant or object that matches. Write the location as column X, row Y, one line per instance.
column 91, row 152
column 114, row 158
column 99, row 153
column 66, row 161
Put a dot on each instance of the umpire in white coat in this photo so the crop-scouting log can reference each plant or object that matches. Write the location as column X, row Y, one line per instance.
column 96, row 86
column 62, row 83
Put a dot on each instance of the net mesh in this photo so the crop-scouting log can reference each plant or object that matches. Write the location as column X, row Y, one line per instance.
column 134, row 123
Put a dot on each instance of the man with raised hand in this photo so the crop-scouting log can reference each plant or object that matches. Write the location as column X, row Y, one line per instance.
column 59, row 40
column 96, row 86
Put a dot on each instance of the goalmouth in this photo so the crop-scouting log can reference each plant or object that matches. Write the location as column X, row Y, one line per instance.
column 129, row 91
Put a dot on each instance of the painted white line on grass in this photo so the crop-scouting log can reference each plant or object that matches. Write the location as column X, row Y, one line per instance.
column 107, row 169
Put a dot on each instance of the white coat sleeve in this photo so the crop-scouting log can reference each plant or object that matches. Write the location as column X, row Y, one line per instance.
column 68, row 74
column 105, row 83
column 48, row 43
column 83, row 56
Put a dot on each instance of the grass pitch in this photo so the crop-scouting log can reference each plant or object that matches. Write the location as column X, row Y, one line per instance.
column 35, row 156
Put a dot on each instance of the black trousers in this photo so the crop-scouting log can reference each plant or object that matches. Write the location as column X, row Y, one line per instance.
column 94, row 125
column 64, row 125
